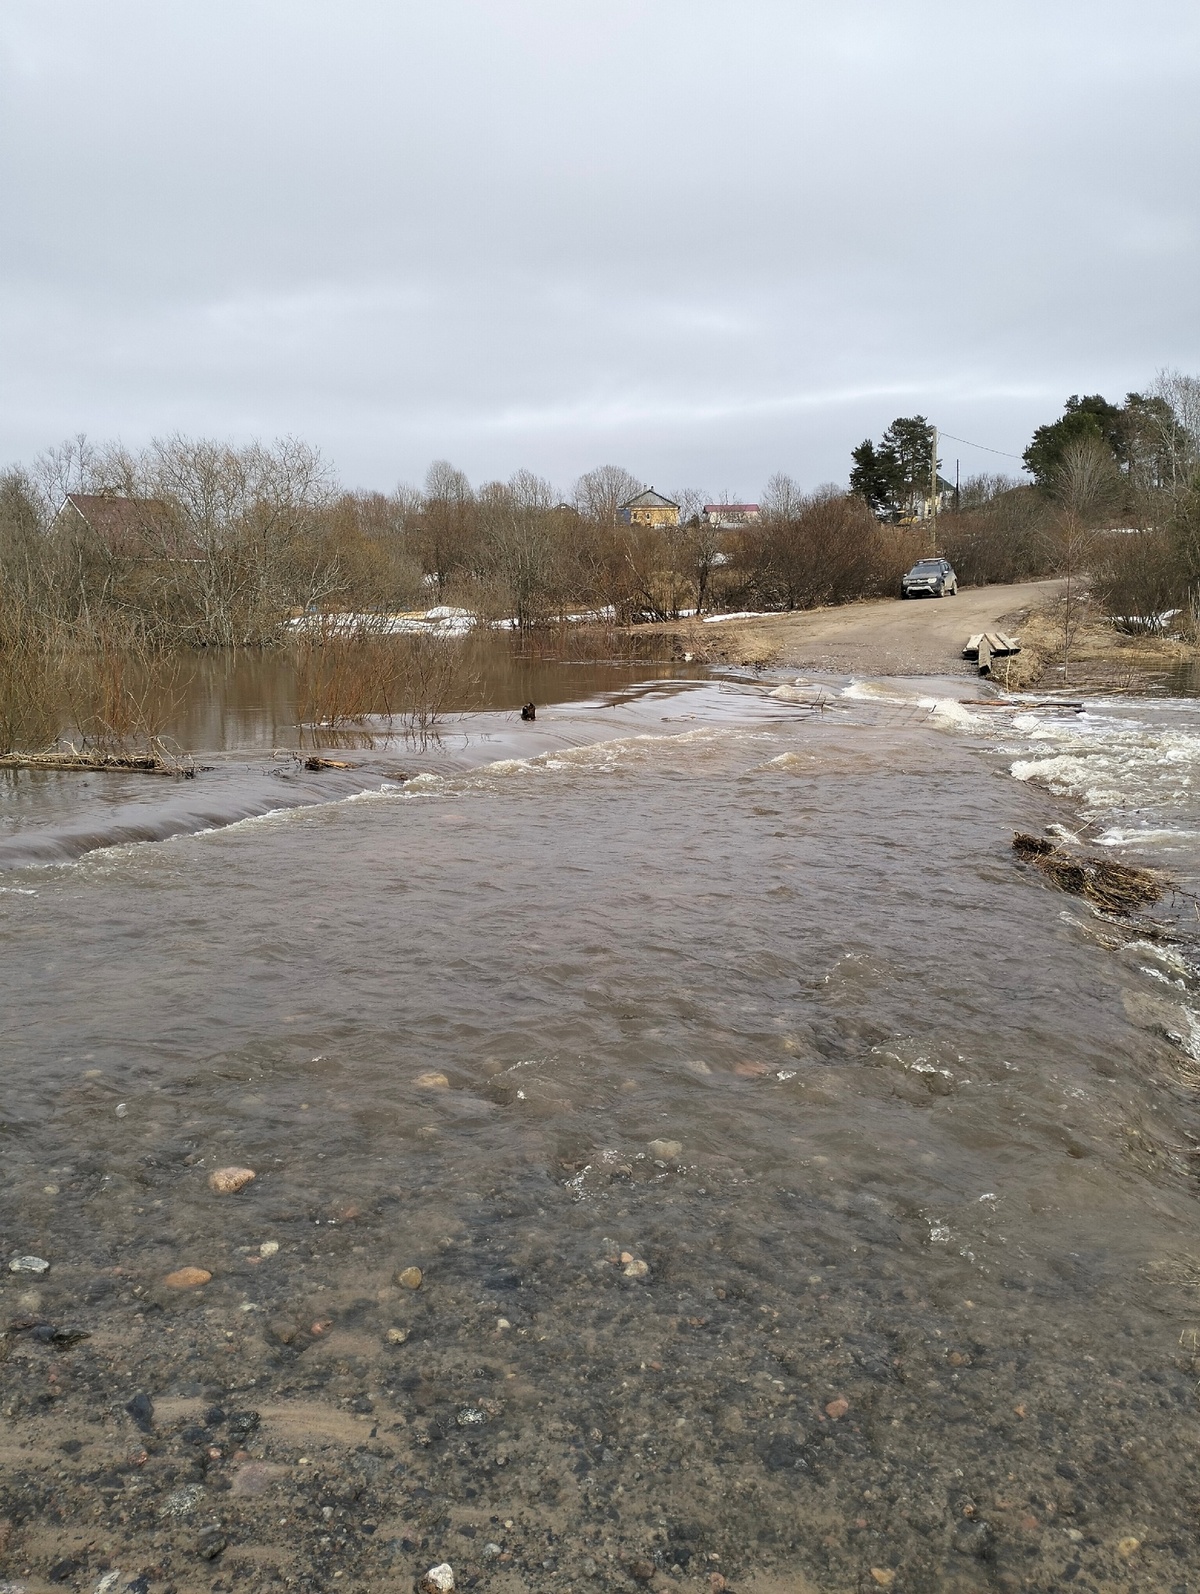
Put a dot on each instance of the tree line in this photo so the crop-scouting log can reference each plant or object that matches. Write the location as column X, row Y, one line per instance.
column 223, row 545
column 1115, row 495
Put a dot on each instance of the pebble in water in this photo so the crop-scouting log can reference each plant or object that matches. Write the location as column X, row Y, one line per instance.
column 268, row 1248
column 141, row 1409
column 837, row 1408
column 438, row 1580
column 433, row 1081
column 397, row 1336
column 635, row 1268
column 28, row 1264
column 182, row 1502
column 228, row 1181
column 665, row 1150
column 883, row 1576
column 188, row 1278
column 256, row 1478
column 210, row 1542
column 409, row 1278
column 122, row 1109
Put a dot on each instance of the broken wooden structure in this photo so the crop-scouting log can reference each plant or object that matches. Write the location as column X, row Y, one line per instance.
column 989, row 645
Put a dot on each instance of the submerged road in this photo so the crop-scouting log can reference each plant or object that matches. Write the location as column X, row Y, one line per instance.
column 888, row 636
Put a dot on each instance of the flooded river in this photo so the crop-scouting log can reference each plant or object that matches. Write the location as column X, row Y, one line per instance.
column 803, row 1192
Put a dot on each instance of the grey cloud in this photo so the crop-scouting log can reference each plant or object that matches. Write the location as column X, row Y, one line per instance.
column 708, row 239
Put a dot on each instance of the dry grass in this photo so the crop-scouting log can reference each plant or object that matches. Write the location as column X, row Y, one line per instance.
column 1183, row 1272
column 1100, row 655
column 99, row 691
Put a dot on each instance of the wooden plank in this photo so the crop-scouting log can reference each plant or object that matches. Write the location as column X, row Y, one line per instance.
column 971, row 651
column 985, row 656
column 1001, row 644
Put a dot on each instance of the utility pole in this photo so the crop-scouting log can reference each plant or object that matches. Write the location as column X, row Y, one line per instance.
column 933, row 489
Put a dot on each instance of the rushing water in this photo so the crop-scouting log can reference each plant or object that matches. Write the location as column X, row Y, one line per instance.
column 736, row 978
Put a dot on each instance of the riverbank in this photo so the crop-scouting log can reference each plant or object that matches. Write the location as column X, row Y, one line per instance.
column 888, row 636
column 879, row 636
column 1099, row 658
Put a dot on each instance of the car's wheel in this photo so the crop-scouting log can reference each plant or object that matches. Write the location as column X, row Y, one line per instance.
column 903, row 594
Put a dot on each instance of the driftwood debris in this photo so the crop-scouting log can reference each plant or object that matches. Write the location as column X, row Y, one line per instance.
column 1114, row 887
column 99, row 763
column 327, row 763
column 1023, row 706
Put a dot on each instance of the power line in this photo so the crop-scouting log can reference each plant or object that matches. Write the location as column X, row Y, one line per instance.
column 967, row 441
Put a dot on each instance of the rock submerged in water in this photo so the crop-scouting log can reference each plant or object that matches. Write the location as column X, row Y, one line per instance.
column 635, row 1268
column 141, row 1409
column 28, row 1264
column 432, row 1080
column 188, row 1278
column 438, row 1580
column 256, row 1478
column 665, row 1150
column 396, row 1336
column 228, row 1181
column 410, row 1278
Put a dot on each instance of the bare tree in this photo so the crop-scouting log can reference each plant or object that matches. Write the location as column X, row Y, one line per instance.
column 600, row 492
column 1179, row 432
column 74, row 466
column 700, row 542
column 521, row 540
column 446, row 525
column 1086, row 488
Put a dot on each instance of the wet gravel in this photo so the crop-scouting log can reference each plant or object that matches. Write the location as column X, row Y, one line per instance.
column 770, row 1402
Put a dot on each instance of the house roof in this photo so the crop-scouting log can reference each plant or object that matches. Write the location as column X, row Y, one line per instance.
column 120, row 521
column 649, row 499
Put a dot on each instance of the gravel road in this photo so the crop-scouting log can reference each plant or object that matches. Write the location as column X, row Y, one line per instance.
column 886, row 636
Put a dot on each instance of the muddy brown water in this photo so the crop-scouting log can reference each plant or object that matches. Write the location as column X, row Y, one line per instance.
column 745, row 987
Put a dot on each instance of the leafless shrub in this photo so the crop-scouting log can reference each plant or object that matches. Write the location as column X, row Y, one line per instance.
column 1136, row 578
column 351, row 673
column 814, row 548
column 998, row 534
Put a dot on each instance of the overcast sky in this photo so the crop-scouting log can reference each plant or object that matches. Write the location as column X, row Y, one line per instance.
column 704, row 239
